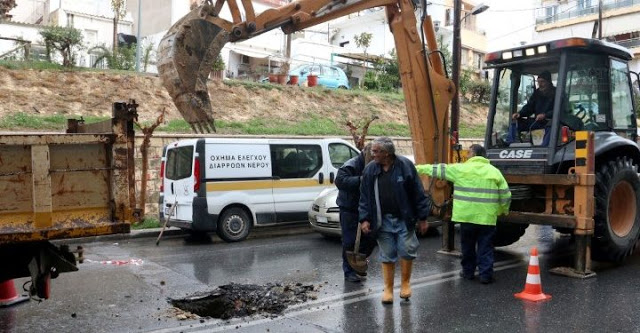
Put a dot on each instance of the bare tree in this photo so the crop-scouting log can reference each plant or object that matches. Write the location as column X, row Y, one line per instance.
column 359, row 140
column 147, row 131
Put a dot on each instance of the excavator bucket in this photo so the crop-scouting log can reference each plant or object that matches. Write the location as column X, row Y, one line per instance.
column 186, row 54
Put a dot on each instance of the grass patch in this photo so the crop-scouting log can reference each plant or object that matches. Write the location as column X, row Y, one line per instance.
column 147, row 223
column 389, row 129
column 476, row 131
column 311, row 126
column 39, row 65
column 24, row 120
column 46, row 65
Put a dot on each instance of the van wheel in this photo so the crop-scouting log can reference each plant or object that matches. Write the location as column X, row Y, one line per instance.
column 234, row 225
column 617, row 217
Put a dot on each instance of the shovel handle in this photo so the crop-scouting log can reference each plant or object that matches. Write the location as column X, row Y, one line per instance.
column 357, row 245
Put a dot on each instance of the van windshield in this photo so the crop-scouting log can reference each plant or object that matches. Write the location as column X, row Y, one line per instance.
column 179, row 163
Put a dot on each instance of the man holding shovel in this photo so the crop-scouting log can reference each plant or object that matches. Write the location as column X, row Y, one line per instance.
column 393, row 204
column 348, row 183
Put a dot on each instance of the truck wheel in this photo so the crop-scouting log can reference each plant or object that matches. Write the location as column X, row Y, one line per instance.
column 508, row 233
column 234, row 225
column 617, row 222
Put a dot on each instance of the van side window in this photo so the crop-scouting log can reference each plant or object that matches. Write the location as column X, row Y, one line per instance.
column 296, row 161
column 340, row 153
column 179, row 163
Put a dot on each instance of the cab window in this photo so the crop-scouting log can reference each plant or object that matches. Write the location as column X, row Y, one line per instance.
column 621, row 103
column 586, row 91
column 179, row 163
column 296, row 161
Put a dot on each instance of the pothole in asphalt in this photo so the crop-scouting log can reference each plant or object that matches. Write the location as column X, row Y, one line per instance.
column 240, row 300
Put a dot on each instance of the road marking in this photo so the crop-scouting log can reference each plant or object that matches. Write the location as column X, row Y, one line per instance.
column 334, row 301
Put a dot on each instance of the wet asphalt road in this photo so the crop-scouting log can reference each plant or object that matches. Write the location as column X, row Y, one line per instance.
column 129, row 294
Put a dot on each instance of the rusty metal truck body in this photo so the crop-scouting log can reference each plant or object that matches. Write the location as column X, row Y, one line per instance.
column 62, row 186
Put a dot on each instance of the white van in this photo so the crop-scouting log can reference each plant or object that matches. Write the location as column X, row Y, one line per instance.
column 230, row 185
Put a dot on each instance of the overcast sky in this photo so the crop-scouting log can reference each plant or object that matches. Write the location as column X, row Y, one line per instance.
column 507, row 22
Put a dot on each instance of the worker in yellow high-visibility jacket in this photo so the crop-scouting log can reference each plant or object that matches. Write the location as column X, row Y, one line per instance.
column 480, row 195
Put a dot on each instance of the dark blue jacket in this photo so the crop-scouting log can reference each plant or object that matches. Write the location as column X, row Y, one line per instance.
column 348, row 183
column 414, row 204
column 539, row 103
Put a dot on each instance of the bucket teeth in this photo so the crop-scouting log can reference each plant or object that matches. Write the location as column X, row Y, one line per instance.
column 186, row 54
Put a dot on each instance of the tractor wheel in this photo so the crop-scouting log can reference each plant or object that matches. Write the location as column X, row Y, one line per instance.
column 617, row 219
column 508, row 233
column 234, row 225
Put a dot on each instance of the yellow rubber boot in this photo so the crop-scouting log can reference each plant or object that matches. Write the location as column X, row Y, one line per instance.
column 388, row 272
column 405, row 287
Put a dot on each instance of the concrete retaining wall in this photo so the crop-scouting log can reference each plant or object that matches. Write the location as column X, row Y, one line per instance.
column 403, row 147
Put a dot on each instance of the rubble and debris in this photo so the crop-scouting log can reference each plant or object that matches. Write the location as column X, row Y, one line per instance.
column 240, row 300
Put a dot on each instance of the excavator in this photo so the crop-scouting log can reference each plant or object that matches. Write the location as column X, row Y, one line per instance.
column 575, row 172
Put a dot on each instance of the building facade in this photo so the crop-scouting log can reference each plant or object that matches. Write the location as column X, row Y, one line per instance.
column 579, row 18
column 473, row 40
column 94, row 18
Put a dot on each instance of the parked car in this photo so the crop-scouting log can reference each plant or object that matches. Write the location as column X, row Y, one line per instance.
column 328, row 76
column 324, row 215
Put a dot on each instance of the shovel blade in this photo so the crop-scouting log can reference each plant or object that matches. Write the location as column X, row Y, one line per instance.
column 358, row 262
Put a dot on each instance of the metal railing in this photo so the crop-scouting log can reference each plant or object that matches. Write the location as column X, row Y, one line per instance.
column 629, row 43
column 578, row 12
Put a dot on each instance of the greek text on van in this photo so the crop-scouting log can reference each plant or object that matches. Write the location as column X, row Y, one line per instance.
column 239, row 161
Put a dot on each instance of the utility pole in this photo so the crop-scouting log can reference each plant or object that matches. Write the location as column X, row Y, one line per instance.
column 138, row 36
column 455, row 69
column 600, row 19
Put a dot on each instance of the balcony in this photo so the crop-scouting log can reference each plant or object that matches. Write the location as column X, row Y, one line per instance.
column 629, row 43
column 606, row 5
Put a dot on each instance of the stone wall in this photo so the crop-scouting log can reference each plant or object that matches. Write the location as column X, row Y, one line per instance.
column 403, row 147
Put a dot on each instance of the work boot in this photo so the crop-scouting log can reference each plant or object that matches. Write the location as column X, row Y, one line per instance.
column 388, row 272
column 405, row 287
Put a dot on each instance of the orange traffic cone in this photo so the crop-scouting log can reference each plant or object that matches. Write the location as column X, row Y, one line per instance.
column 8, row 294
column 533, row 287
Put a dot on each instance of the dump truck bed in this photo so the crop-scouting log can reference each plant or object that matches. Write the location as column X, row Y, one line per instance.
column 57, row 186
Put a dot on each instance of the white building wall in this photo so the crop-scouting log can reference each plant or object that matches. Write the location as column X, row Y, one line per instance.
column 28, row 11
column 18, row 31
column 375, row 22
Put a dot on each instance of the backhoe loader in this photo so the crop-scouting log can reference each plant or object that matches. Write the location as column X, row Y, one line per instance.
column 553, row 181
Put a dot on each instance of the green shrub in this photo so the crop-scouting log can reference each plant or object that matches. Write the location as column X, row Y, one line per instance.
column 65, row 40
column 479, row 91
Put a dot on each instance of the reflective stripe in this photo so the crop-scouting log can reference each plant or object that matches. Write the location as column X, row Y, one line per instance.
column 533, row 279
column 435, row 171
column 480, row 190
column 443, row 171
column 472, row 199
column 505, row 201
